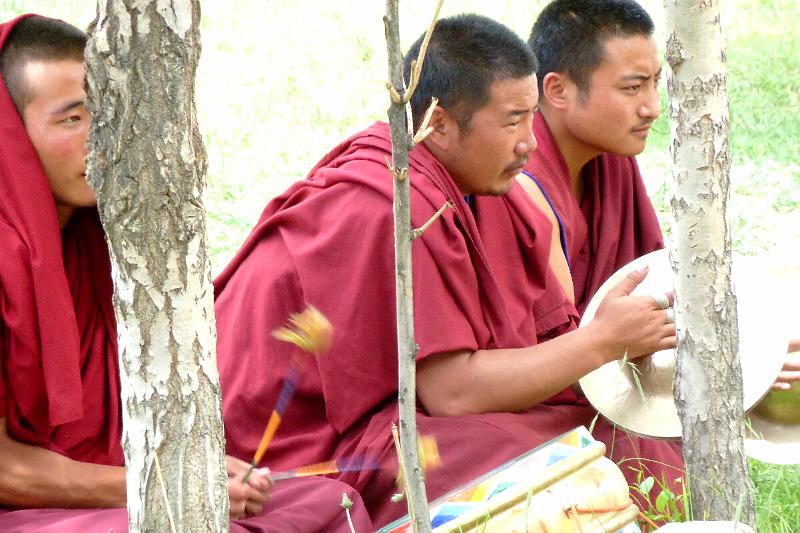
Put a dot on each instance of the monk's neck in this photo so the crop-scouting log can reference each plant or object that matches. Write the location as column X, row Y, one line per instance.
column 575, row 153
column 64, row 213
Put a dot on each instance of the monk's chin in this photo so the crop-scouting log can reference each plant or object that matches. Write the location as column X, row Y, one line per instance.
column 499, row 190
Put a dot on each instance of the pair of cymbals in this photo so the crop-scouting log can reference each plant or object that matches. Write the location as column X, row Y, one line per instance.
column 764, row 333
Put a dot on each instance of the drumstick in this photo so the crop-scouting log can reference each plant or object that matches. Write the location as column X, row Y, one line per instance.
column 354, row 463
column 284, row 397
column 312, row 333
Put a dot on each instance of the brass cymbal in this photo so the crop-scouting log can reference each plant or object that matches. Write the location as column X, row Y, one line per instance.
column 763, row 339
column 773, row 432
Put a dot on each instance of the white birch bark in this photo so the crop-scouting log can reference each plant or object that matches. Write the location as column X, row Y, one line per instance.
column 148, row 167
column 708, row 390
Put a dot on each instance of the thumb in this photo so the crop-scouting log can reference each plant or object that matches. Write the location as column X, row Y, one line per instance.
column 629, row 282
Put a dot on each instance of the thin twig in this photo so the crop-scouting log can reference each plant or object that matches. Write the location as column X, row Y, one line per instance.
column 410, row 122
column 416, row 69
column 164, row 492
column 647, row 519
column 420, row 230
column 396, row 98
column 403, row 480
column 424, row 129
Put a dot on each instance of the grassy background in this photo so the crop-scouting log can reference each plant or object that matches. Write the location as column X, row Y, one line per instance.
column 281, row 82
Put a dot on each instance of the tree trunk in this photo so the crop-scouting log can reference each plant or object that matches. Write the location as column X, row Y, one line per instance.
column 708, row 390
column 406, row 345
column 148, row 167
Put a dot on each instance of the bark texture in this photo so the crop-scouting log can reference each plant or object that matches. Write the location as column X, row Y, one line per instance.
column 708, row 390
column 148, row 167
column 406, row 345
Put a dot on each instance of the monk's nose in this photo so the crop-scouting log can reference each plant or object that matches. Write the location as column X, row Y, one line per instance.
column 527, row 145
column 651, row 106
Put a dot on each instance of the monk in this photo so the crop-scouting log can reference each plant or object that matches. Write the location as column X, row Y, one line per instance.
column 61, row 461
column 598, row 75
column 598, row 78
column 498, row 345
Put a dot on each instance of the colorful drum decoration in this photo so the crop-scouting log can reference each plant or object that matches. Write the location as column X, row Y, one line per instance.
column 565, row 485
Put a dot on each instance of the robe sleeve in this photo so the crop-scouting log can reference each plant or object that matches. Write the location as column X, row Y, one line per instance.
column 345, row 266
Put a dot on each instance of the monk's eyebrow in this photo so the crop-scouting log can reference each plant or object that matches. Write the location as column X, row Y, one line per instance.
column 635, row 77
column 641, row 77
column 518, row 112
column 68, row 107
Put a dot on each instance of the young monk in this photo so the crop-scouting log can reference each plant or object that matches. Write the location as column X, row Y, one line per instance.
column 598, row 76
column 485, row 296
column 61, row 462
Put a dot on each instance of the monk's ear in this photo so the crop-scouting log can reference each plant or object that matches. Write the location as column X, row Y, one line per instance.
column 443, row 127
column 556, row 90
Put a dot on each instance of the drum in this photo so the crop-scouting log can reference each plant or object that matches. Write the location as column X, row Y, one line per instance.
column 565, row 485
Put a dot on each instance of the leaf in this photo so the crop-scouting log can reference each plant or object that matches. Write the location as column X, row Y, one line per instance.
column 661, row 501
column 647, row 485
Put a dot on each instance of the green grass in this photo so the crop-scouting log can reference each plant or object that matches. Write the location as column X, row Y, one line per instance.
column 281, row 82
column 777, row 501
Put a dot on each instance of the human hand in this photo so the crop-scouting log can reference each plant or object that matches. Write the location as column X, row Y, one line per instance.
column 635, row 325
column 789, row 373
column 246, row 499
column 794, row 345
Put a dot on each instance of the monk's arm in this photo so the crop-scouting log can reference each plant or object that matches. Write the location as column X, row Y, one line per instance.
column 459, row 383
column 34, row 477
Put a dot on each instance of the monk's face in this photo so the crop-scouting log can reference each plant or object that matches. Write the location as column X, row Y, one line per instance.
column 485, row 158
column 616, row 112
column 58, row 126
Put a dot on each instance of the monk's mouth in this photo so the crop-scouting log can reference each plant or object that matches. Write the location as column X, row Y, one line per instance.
column 516, row 169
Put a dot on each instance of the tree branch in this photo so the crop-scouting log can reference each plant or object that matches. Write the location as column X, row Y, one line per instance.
column 416, row 66
column 420, row 230
column 424, row 129
column 402, row 142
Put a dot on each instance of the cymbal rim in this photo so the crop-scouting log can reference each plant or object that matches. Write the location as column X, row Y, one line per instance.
column 656, row 416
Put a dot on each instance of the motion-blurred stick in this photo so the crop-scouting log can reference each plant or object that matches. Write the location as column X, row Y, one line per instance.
column 312, row 333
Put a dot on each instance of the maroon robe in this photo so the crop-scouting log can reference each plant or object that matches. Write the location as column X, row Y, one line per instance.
column 614, row 223
column 59, row 377
column 481, row 281
column 303, row 505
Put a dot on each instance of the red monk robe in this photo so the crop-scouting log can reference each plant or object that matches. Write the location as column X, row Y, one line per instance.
column 614, row 223
column 481, row 280
column 59, row 378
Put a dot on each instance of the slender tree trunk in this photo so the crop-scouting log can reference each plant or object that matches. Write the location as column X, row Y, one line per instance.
column 708, row 390
column 148, row 167
column 406, row 345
